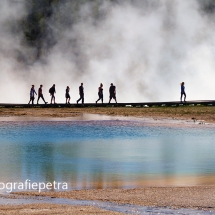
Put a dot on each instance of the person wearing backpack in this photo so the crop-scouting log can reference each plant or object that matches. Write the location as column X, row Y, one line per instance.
column 52, row 91
column 32, row 92
column 40, row 94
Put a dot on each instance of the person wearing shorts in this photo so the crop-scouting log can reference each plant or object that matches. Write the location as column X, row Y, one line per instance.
column 112, row 91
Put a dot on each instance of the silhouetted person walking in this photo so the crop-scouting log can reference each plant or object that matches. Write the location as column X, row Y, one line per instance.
column 52, row 91
column 32, row 92
column 40, row 94
column 183, row 92
column 112, row 91
column 81, row 93
column 67, row 95
column 100, row 93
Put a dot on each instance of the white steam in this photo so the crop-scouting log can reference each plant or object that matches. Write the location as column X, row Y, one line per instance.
column 145, row 48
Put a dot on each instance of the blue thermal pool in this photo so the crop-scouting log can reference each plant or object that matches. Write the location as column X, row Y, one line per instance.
column 107, row 153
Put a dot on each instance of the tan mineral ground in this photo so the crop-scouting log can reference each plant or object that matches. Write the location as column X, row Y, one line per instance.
column 197, row 197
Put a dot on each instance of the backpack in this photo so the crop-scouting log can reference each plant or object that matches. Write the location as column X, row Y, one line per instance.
column 50, row 90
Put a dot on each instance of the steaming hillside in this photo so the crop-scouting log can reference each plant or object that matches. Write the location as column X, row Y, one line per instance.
column 45, row 18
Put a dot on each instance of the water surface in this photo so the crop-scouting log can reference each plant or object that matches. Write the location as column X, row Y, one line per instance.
column 106, row 153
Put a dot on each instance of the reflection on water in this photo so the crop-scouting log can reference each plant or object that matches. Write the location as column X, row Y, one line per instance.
column 110, row 153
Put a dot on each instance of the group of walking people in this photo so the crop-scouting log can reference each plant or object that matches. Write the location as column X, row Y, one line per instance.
column 52, row 91
column 112, row 92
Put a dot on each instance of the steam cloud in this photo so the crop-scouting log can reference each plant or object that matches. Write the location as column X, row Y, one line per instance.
column 146, row 48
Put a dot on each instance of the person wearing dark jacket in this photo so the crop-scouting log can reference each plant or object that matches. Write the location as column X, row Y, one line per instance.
column 112, row 91
column 52, row 91
column 81, row 93
column 40, row 94
column 67, row 95
column 100, row 93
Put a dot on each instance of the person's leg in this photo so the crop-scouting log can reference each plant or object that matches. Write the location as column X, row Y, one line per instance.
column 181, row 97
column 32, row 99
column 43, row 99
column 98, row 98
column 38, row 99
column 114, row 97
column 102, row 99
column 82, row 99
column 79, row 100
column 110, row 98
column 184, row 96
column 52, row 97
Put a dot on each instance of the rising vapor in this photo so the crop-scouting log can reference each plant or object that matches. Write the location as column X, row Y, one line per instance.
column 145, row 47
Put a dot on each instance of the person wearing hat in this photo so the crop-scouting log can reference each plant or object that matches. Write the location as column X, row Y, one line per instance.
column 112, row 91
column 40, row 94
column 32, row 92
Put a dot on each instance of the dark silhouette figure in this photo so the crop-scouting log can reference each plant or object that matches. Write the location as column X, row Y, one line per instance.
column 67, row 95
column 81, row 93
column 183, row 92
column 40, row 94
column 100, row 93
column 112, row 91
column 32, row 92
column 52, row 91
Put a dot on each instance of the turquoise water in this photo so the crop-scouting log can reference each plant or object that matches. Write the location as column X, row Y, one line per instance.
column 101, row 154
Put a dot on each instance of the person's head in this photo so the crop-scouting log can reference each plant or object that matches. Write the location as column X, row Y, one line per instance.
column 32, row 85
column 81, row 84
column 41, row 85
column 101, row 85
column 67, row 87
column 111, row 84
column 182, row 83
column 53, row 85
